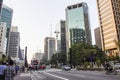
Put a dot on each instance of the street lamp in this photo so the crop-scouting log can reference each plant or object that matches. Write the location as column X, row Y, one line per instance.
column 57, row 32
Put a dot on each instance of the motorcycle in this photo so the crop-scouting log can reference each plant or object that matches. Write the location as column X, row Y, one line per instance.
column 111, row 70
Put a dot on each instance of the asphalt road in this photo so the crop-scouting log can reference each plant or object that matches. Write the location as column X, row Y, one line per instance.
column 72, row 75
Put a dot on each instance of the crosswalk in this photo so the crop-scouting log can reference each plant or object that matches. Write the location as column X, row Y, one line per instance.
column 24, row 74
column 52, row 70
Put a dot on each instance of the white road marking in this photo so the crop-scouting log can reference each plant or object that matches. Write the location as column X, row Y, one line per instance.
column 33, row 77
column 56, row 76
column 24, row 74
column 69, row 74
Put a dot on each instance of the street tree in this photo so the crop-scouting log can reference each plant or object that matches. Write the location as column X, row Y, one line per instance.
column 81, row 53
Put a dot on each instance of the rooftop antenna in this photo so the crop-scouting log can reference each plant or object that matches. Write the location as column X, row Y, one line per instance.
column 50, row 30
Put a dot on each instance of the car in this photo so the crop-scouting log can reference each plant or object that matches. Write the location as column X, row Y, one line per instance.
column 117, row 65
column 42, row 67
column 66, row 68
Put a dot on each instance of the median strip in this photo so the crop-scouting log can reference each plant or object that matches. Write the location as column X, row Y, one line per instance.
column 56, row 76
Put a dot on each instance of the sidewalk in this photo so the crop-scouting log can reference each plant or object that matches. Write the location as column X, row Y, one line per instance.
column 22, row 76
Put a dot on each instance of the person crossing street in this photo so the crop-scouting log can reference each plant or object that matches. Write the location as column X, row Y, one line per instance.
column 2, row 68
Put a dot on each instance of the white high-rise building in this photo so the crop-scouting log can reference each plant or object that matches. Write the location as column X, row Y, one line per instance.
column 3, row 39
column 22, row 51
column 14, row 42
column 14, row 29
column 49, row 47
column 38, row 56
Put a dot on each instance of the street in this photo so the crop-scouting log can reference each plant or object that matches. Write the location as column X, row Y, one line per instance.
column 57, row 74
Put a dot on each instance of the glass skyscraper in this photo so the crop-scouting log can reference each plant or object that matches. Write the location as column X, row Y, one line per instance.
column 78, row 26
column 6, row 16
column 61, row 33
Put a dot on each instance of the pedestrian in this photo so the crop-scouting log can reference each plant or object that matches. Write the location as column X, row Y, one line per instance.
column 9, row 71
column 2, row 68
column 23, row 69
column 16, row 68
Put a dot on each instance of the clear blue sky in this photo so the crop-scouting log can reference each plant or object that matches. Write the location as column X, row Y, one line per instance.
column 34, row 17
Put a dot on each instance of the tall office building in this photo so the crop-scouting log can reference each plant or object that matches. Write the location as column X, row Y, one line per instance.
column 6, row 16
column 77, row 24
column 109, row 19
column 38, row 56
column 3, row 39
column 49, row 47
column 23, row 55
column 1, row 2
column 61, row 29
column 14, row 42
column 20, row 54
column 98, row 37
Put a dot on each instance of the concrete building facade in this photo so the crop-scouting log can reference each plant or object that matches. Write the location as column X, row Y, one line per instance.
column 14, row 42
column 38, row 56
column 49, row 47
column 109, row 19
column 3, row 39
column 98, row 37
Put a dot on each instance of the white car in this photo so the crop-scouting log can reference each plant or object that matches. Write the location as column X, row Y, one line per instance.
column 117, row 65
column 66, row 68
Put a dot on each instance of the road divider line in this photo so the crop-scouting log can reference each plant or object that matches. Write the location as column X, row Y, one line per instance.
column 69, row 74
column 33, row 78
column 56, row 76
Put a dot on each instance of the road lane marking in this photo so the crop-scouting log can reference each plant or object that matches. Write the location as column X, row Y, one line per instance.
column 69, row 74
column 33, row 77
column 56, row 76
column 24, row 74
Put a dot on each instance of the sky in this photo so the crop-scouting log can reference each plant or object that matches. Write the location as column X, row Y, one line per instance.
column 35, row 18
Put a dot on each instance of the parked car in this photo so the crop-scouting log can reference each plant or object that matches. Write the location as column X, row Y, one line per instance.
column 66, row 68
column 117, row 65
column 42, row 67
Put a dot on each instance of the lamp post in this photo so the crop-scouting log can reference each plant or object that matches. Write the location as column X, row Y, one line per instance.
column 57, row 32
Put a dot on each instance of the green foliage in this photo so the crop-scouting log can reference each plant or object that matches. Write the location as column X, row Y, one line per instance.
column 60, row 57
column 98, row 61
column 86, row 64
column 113, row 58
column 81, row 53
column 54, row 59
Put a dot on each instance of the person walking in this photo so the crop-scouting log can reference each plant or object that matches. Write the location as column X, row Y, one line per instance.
column 2, row 68
column 9, row 71
column 16, row 68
